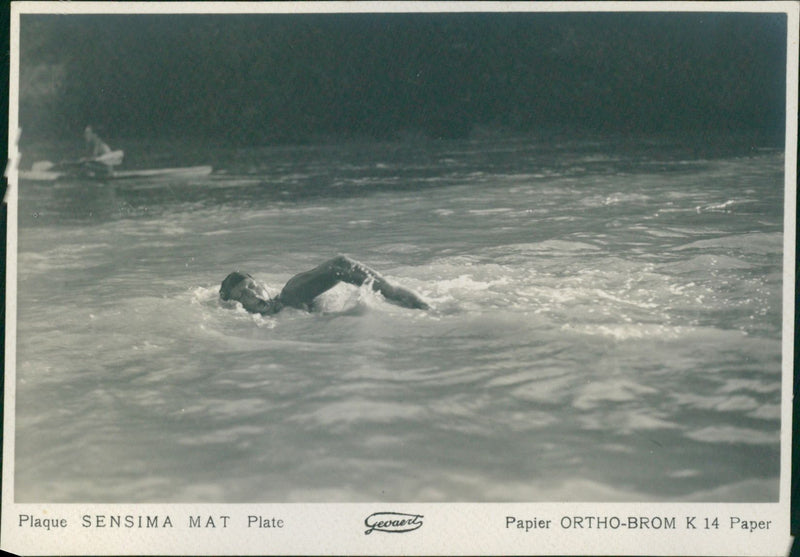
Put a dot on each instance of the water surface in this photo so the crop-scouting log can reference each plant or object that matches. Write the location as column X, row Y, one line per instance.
column 606, row 326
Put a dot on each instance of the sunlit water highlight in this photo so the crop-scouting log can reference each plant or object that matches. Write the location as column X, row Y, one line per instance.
column 607, row 326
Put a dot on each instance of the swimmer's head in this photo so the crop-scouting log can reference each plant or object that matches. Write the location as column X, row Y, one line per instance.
column 230, row 282
column 242, row 288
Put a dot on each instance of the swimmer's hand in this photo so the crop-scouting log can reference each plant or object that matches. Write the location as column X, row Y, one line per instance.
column 401, row 296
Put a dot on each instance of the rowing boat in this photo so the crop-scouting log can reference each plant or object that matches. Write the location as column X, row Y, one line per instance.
column 178, row 173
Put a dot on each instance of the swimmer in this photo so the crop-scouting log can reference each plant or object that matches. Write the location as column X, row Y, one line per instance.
column 302, row 289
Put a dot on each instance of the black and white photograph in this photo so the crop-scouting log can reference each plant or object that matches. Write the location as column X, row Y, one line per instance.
column 405, row 257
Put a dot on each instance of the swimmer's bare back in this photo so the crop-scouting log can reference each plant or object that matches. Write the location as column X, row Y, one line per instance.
column 301, row 290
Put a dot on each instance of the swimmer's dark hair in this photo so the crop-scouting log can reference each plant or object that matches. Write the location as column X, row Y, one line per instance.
column 229, row 283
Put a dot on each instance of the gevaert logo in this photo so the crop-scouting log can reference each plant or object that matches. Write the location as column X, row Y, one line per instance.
column 394, row 523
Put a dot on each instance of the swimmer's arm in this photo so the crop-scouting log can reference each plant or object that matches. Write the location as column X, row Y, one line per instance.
column 301, row 289
column 353, row 272
column 399, row 295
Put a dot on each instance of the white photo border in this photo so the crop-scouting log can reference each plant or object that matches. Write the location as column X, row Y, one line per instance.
column 355, row 528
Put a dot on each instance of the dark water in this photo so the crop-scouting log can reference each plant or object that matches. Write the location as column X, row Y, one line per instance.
column 607, row 326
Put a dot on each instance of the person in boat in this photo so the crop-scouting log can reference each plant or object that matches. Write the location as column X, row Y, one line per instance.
column 97, row 146
column 302, row 289
column 94, row 164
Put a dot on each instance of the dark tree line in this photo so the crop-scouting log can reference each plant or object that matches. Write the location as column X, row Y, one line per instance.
column 275, row 78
